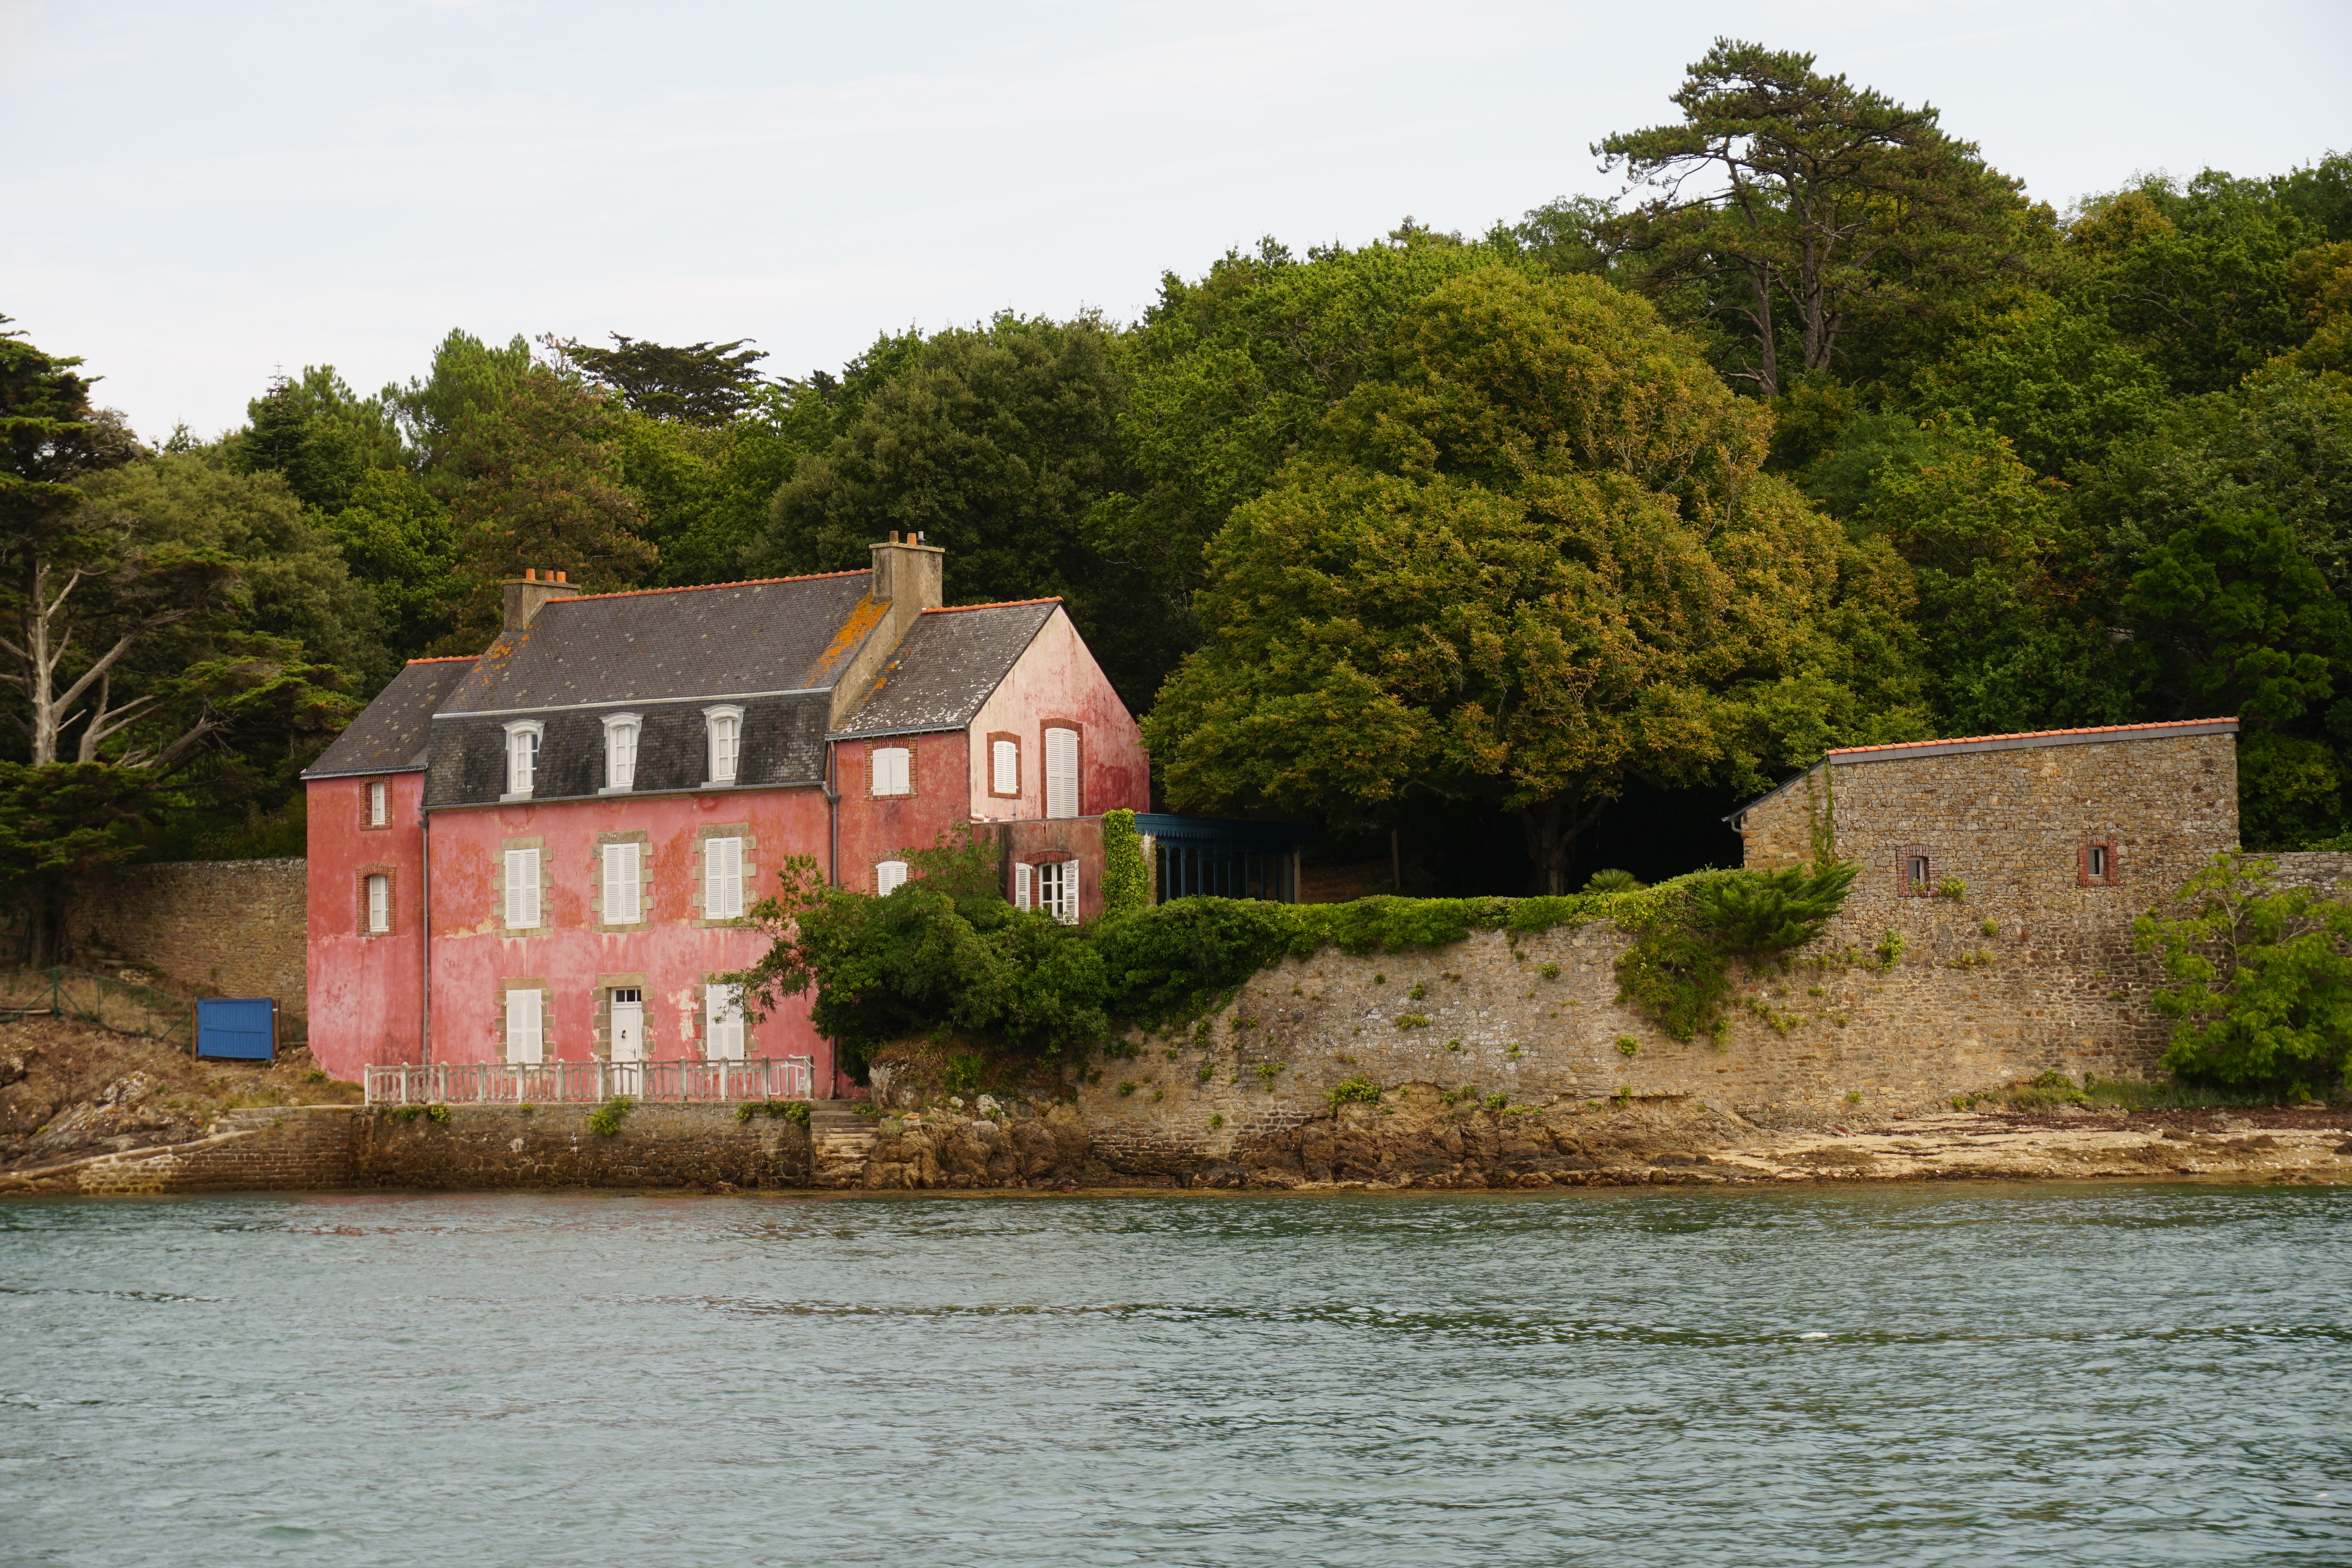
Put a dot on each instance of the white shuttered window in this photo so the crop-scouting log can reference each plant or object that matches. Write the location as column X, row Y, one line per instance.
column 1061, row 773
column 1057, row 890
column 379, row 804
column 893, row 774
column 522, row 888
column 1024, row 877
column 522, row 758
column 522, row 1026
column 625, row 903
column 621, row 752
column 723, row 1023
column 1005, row 768
column 722, row 878
column 889, row 876
column 379, row 904
column 726, row 731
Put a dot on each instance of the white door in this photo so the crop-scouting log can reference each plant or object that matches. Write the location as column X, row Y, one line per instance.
column 628, row 1039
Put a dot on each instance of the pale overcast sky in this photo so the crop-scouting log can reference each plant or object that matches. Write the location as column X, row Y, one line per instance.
column 198, row 194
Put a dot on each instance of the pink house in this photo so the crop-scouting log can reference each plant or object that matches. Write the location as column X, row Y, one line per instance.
column 544, row 853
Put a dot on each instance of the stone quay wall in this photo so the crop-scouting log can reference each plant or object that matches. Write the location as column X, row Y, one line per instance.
column 318, row 1148
column 487, row 1147
column 228, row 928
column 1839, row 1035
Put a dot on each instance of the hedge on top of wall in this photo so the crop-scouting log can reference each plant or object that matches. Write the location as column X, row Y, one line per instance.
column 946, row 952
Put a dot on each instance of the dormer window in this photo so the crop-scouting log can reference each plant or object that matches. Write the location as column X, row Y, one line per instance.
column 621, row 732
column 522, row 758
column 725, row 728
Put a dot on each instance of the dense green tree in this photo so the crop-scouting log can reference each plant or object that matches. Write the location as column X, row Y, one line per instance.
column 2057, row 382
column 518, row 451
column 399, row 540
column 996, row 443
column 319, row 435
column 708, row 384
column 705, row 490
column 2230, row 617
column 2279, row 443
column 1231, row 373
column 139, row 675
column 2196, row 275
column 292, row 579
column 1532, row 563
column 1804, row 213
column 2011, row 598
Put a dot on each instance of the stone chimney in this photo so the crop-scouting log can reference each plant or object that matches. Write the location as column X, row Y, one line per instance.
column 910, row 577
column 527, row 593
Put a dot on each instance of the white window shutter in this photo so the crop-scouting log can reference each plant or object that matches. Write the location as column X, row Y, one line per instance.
column 522, row 888
column 1069, row 910
column 1004, row 763
column 623, row 885
column 888, row 877
column 723, row 1023
column 379, row 903
column 722, row 888
column 1061, row 773
column 379, row 804
column 892, row 774
column 523, row 1041
column 1024, row 874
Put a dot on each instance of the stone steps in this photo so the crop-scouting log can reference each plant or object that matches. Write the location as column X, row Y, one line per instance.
column 840, row 1140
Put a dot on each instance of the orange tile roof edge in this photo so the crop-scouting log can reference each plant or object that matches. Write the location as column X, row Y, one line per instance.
column 1000, row 604
column 2029, row 734
column 700, row 587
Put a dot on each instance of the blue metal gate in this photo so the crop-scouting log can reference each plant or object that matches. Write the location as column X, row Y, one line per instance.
column 238, row 1029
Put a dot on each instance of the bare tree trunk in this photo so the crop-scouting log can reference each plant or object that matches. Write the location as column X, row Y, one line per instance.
column 44, row 921
column 1552, row 830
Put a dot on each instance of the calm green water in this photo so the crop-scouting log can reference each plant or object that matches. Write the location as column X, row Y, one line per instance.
column 2131, row 1375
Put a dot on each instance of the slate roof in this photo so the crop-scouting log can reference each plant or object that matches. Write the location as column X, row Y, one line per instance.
column 390, row 736
column 736, row 639
column 949, row 663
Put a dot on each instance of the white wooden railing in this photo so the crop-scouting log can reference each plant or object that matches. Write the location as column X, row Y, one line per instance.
column 552, row 1082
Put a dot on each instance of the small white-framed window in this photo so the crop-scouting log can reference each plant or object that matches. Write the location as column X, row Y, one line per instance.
column 1057, row 890
column 723, row 1023
column 1061, row 772
column 722, row 879
column 379, row 807
column 522, row 888
column 522, row 757
column 1024, row 879
column 379, row 903
column 724, row 727
column 621, row 732
column 624, row 884
column 523, row 1038
column 889, row 876
column 894, row 771
column 1004, row 766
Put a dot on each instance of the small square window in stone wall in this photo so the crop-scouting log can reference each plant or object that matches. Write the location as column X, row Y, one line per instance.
column 1914, row 871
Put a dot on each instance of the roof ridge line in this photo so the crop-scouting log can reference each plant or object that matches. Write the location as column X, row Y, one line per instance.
column 447, row 659
column 2031, row 734
column 999, row 604
column 700, row 587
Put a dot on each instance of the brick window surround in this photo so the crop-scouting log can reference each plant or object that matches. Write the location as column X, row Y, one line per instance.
column 2108, row 872
column 995, row 738
column 873, row 753
column 391, row 875
column 1907, row 885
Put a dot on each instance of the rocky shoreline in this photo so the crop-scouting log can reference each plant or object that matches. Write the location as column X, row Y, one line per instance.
column 1414, row 1140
